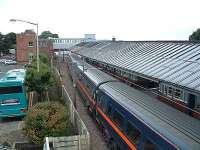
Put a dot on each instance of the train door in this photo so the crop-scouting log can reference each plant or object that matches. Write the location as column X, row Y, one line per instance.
column 191, row 100
column 191, row 103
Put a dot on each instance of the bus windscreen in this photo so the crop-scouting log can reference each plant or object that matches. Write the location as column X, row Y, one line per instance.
column 11, row 89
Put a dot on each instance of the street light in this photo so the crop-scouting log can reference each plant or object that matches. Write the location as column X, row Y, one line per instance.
column 36, row 24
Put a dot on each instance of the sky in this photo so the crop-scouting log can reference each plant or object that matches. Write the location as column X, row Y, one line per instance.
column 131, row 20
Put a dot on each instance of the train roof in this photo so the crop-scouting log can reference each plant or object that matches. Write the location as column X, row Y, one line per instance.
column 96, row 76
column 175, row 126
column 15, row 75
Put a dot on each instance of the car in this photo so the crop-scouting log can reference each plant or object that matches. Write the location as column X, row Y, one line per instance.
column 10, row 62
column 2, row 60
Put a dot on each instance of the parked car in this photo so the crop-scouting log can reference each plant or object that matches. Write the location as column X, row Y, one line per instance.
column 10, row 62
column 2, row 60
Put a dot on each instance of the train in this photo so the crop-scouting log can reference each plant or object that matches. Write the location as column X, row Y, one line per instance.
column 129, row 118
column 13, row 101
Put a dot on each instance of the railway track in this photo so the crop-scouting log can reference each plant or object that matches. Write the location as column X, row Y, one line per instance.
column 96, row 139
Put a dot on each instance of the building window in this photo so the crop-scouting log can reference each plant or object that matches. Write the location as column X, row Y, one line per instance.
column 30, row 57
column 30, row 44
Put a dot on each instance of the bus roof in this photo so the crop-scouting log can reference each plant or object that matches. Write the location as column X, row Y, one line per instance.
column 15, row 75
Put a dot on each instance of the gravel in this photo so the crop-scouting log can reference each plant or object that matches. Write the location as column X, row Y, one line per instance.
column 96, row 139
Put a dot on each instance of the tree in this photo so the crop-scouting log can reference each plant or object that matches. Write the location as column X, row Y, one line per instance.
column 39, row 81
column 7, row 41
column 195, row 36
column 10, row 40
column 1, row 42
column 47, row 34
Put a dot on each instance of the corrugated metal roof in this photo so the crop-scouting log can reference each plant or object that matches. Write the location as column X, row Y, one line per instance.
column 177, row 62
column 177, row 127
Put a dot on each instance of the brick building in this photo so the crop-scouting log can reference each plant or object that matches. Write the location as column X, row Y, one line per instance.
column 26, row 46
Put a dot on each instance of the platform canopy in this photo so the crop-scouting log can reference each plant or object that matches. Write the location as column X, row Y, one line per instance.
column 176, row 62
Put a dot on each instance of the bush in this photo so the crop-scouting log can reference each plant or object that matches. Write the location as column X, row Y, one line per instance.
column 47, row 119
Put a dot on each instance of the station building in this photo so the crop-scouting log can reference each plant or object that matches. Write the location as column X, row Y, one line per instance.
column 170, row 68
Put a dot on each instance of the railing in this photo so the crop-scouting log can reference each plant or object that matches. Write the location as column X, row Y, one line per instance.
column 77, row 142
column 46, row 144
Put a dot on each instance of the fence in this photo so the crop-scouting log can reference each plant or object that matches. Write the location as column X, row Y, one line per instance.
column 77, row 142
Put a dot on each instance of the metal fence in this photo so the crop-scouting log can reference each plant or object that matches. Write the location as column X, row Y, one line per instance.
column 77, row 142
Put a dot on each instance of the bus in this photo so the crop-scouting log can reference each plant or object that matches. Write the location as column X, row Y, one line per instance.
column 13, row 100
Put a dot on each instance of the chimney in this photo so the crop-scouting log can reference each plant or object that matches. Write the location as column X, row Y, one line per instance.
column 113, row 39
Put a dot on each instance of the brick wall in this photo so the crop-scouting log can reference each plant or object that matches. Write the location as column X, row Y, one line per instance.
column 24, row 49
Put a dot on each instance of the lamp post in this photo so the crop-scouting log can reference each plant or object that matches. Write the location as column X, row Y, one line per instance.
column 37, row 44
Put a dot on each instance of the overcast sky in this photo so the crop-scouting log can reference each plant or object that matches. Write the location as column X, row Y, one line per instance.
column 124, row 19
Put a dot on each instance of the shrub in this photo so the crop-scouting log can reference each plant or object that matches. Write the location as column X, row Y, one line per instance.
column 47, row 119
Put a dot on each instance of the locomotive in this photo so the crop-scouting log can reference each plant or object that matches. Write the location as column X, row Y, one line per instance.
column 129, row 118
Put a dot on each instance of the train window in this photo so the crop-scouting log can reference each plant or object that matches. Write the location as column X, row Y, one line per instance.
column 117, row 118
column 162, row 89
column 165, row 90
column 148, row 145
column 169, row 91
column 103, row 103
column 109, row 110
column 133, row 133
column 11, row 89
column 178, row 94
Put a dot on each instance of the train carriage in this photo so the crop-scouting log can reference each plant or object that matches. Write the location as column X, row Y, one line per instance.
column 131, row 119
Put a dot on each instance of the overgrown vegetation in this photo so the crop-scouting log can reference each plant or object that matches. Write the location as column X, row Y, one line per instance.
column 47, row 34
column 47, row 119
column 42, row 80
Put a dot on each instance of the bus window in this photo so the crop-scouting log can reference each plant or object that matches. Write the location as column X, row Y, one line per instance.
column 10, row 102
column 149, row 146
column 133, row 133
column 117, row 118
column 11, row 89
